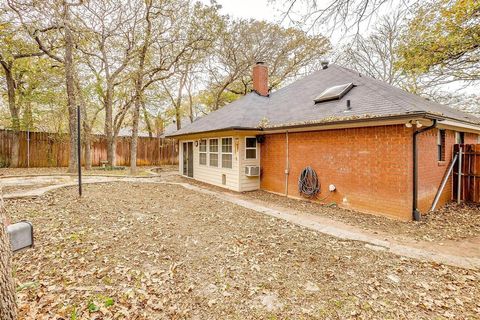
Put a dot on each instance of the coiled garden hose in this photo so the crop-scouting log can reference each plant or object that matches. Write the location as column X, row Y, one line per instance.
column 308, row 184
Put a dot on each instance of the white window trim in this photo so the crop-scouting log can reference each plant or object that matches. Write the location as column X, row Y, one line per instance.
column 200, row 152
column 256, row 149
column 222, row 153
column 217, row 153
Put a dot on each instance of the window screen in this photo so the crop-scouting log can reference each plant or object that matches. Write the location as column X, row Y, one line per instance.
column 213, row 152
column 202, row 149
column 227, row 153
column 251, row 148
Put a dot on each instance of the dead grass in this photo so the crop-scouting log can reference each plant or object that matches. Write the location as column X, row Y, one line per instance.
column 144, row 251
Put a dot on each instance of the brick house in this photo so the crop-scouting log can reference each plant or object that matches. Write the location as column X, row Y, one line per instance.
column 357, row 133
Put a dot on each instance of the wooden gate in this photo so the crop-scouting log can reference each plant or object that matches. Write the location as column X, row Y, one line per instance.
column 470, row 173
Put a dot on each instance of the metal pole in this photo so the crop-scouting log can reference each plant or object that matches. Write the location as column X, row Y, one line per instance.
column 459, row 183
column 444, row 183
column 79, row 153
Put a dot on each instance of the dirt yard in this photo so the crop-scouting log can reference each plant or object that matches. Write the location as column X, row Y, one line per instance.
column 95, row 171
column 150, row 251
column 452, row 222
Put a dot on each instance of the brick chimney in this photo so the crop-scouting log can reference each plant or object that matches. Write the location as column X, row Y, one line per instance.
column 260, row 79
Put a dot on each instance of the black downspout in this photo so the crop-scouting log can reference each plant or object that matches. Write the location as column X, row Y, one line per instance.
column 417, row 216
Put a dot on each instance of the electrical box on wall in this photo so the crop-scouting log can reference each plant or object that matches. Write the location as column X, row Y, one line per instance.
column 252, row 171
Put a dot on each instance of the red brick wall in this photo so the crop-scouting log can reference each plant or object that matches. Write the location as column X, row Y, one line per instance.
column 431, row 171
column 371, row 167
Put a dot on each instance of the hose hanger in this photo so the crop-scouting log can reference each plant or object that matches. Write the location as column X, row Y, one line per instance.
column 308, row 184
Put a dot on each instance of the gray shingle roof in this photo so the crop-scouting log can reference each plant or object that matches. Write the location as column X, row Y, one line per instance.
column 294, row 105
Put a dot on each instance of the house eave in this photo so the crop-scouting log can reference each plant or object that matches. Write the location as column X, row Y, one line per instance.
column 349, row 123
column 352, row 123
column 181, row 135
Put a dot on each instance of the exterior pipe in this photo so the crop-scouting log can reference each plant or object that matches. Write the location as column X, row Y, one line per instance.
column 417, row 216
column 287, row 165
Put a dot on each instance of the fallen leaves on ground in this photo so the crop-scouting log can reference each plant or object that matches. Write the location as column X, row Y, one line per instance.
column 145, row 251
column 452, row 222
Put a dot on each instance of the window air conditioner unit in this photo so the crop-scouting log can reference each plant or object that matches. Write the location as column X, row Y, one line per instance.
column 252, row 171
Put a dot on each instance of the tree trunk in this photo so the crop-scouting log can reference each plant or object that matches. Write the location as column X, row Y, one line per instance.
column 14, row 160
column 111, row 150
column 87, row 130
column 178, row 118
column 109, row 125
column 147, row 121
column 8, row 304
column 14, row 113
column 71, row 98
column 87, row 146
column 178, row 102
column 139, row 91
column 114, row 148
column 133, row 144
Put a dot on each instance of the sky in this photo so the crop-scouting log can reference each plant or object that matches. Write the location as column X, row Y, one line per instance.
column 263, row 10
column 256, row 9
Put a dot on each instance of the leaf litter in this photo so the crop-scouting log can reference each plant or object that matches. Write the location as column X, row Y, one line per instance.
column 146, row 251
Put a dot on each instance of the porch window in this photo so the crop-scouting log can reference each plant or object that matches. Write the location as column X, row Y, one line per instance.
column 227, row 153
column 251, row 148
column 202, row 149
column 441, row 145
column 213, row 152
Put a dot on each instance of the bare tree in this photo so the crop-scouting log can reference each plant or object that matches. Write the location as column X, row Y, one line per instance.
column 89, row 114
column 376, row 54
column 335, row 14
column 108, row 30
column 288, row 52
column 167, row 39
column 14, row 49
column 40, row 19
column 138, row 80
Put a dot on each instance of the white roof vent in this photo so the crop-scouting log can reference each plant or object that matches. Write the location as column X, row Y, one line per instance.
column 333, row 93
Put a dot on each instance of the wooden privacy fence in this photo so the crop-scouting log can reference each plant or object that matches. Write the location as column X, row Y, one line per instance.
column 42, row 149
column 470, row 173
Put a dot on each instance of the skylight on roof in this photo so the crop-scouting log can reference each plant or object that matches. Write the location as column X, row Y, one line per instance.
column 333, row 93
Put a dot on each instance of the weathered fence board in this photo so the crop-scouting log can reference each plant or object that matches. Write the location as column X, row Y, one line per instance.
column 41, row 149
column 470, row 178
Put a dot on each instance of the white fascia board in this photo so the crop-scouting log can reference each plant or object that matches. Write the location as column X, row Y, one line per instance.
column 459, row 126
